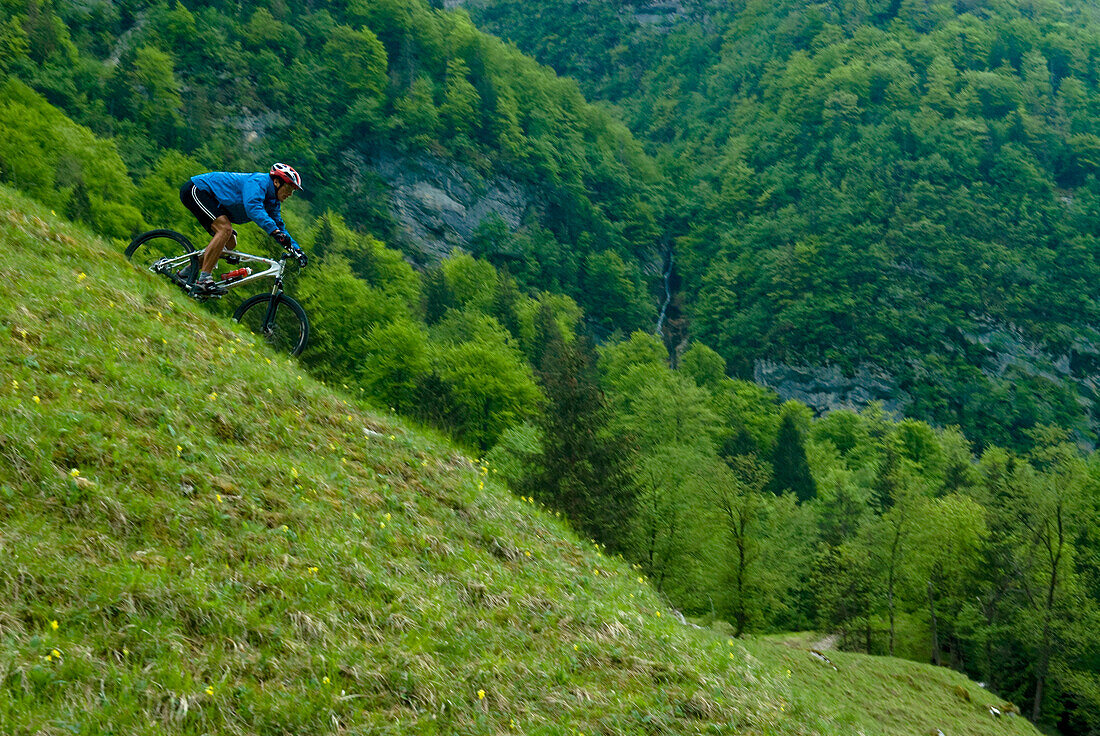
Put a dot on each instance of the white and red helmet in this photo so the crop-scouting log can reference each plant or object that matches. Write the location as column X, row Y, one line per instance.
column 287, row 174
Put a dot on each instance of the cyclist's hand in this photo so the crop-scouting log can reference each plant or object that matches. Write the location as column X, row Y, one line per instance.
column 282, row 239
column 301, row 256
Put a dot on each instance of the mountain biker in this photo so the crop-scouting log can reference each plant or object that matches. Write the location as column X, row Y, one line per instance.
column 220, row 198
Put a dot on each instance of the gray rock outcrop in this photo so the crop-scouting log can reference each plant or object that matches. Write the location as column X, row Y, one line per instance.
column 438, row 205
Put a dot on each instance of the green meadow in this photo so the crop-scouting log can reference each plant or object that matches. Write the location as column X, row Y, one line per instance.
column 196, row 537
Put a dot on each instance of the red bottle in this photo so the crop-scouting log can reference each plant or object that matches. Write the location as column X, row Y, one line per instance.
column 240, row 273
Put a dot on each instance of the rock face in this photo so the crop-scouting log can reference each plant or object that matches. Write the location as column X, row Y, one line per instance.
column 438, row 205
column 1008, row 357
column 659, row 12
column 826, row 388
column 644, row 12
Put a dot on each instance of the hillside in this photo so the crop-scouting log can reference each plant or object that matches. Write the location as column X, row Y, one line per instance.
column 891, row 201
column 196, row 537
column 403, row 119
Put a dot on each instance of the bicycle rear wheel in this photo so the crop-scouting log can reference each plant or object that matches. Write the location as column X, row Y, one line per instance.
column 151, row 248
column 281, row 323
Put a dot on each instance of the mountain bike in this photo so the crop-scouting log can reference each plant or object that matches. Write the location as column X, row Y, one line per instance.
column 278, row 318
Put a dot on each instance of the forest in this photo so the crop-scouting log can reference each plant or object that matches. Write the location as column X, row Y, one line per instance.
column 799, row 207
column 909, row 185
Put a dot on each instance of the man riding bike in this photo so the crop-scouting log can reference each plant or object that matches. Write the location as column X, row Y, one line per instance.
column 220, row 198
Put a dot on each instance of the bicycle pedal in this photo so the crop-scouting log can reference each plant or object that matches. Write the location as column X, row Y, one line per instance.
column 207, row 290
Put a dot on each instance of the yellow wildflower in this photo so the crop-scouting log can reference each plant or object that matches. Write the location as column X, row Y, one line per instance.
column 36, row 399
column 81, row 276
column 54, row 625
column 56, row 654
column 14, row 384
column 218, row 496
column 209, row 690
column 326, row 680
column 481, row 695
column 74, row 473
column 294, row 472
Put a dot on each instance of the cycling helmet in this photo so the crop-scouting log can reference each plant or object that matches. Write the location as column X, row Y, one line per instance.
column 287, row 174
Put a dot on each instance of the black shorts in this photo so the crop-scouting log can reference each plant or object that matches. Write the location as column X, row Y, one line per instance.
column 203, row 205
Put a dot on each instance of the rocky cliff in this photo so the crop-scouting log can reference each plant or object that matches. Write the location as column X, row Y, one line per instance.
column 438, row 204
column 1011, row 365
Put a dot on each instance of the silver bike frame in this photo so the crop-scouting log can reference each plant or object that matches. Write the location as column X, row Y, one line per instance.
column 273, row 268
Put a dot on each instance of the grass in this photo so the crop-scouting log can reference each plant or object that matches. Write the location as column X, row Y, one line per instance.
column 198, row 538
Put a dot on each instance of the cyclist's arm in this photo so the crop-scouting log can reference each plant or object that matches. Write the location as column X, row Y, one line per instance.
column 277, row 216
column 253, row 196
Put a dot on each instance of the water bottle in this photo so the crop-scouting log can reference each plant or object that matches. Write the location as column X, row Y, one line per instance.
column 240, row 273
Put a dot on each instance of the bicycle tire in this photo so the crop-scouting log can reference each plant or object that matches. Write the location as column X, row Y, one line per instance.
column 148, row 248
column 289, row 331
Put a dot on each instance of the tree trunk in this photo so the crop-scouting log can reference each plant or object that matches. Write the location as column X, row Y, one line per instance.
column 740, row 617
column 1055, row 547
column 935, row 633
column 1043, row 664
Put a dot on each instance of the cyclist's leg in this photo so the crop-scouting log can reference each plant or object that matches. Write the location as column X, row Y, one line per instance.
column 215, row 220
column 203, row 205
column 223, row 234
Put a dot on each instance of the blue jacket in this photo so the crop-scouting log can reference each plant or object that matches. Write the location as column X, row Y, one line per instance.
column 248, row 197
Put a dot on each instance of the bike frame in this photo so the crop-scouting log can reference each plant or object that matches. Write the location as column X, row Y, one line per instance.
column 273, row 269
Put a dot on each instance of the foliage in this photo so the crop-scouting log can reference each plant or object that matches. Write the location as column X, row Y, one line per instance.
column 181, row 556
column 899, row 185
column 63, row 164
column 806, row 160
column 335, row 88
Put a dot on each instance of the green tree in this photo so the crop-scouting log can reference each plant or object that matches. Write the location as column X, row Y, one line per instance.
column 459, row 111
column 584, row 467
column 396, row 363
column 791, row 469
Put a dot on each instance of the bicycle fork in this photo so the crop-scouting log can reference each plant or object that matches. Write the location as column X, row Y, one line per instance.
column 272, row 307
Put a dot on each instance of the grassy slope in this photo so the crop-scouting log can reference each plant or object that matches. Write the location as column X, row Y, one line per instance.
column 245, row 551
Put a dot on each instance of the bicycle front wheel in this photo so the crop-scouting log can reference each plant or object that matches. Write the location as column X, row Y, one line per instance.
column 280, row 320
column 157, row 247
